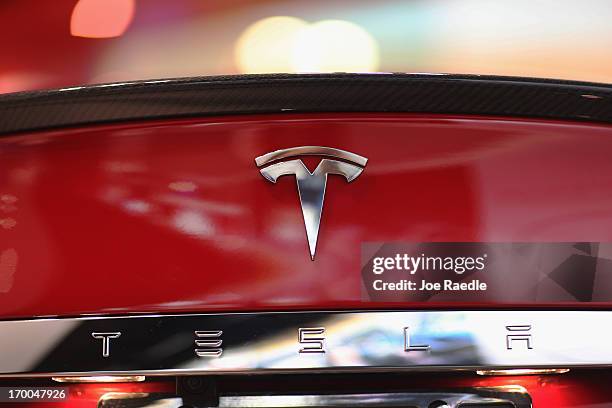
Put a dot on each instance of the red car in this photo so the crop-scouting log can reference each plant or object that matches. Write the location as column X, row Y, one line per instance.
column 303, row 239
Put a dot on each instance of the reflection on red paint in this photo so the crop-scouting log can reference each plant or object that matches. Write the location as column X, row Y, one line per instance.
column 101, row 18
column 8, row 265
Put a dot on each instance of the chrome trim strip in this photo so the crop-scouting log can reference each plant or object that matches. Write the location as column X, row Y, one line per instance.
column 269, row 342
column 100, row 379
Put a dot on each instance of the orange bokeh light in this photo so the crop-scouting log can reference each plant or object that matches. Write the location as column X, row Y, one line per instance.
column 101, row 18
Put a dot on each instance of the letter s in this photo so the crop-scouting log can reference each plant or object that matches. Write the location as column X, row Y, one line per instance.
column 480, row 263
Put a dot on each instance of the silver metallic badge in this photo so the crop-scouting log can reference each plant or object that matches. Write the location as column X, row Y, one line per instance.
column 311, row 186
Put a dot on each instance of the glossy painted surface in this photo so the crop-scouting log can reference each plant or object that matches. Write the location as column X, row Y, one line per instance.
column 174, row 216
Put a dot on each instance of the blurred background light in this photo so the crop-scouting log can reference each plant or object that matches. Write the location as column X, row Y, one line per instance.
column 289, row 45
column 19, row 81
column 101, row 18
column 335, row 46
column 267, row 45
column 121, row 40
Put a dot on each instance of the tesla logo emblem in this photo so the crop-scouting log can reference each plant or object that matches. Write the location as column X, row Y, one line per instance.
column 311, row 186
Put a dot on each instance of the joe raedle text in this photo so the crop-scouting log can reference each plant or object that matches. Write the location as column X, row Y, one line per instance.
column 410, row 265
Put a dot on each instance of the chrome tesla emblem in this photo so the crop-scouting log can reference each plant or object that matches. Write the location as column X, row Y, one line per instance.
column 311, row 186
